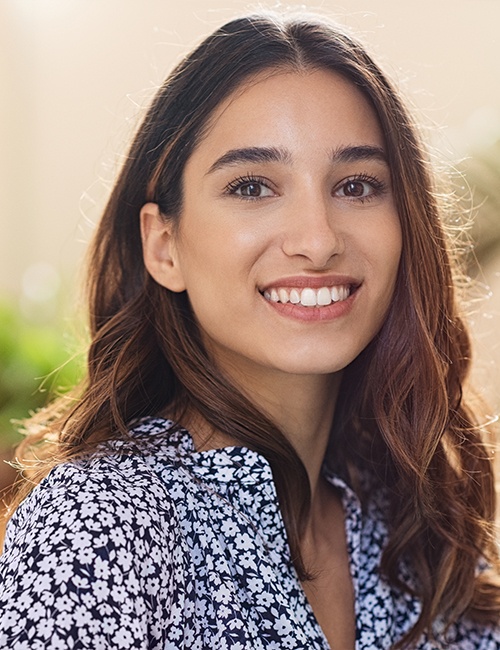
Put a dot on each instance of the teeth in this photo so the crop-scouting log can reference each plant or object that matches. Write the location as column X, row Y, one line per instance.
column 283, row 294
column 324, row 296
column 309, row 297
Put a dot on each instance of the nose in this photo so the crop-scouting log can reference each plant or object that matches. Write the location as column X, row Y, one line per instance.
column 312, row 232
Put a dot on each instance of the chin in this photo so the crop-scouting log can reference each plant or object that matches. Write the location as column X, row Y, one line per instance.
column 323, row 366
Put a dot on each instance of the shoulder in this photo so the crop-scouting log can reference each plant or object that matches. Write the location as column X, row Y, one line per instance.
column 118, row 486
column 98, row 540
column 466, row 634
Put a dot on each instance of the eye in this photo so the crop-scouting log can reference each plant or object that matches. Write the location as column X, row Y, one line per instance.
column 360, row 188
column 249, row 187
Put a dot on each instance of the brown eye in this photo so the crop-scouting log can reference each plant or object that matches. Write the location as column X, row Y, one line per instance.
column 360, row 188
column 246, row 187
column 251, row 189
column 355, row 188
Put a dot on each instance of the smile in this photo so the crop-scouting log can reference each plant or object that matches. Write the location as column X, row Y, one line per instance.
column 308, row 297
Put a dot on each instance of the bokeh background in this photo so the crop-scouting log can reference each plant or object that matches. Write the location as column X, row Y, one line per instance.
column 75, row 78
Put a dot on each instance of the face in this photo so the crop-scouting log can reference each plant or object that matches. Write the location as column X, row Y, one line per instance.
column 288, row 242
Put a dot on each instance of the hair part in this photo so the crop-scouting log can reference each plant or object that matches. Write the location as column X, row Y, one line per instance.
column 401, row 414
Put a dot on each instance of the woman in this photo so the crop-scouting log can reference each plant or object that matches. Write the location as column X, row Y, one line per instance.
column 272, row 448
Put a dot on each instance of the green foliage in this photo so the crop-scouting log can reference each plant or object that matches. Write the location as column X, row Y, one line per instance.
column 35, row 366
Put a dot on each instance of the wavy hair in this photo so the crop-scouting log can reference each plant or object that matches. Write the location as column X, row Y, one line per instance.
column 401, row 414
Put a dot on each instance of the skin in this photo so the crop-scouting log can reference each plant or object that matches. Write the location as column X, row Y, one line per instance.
column 304, row 214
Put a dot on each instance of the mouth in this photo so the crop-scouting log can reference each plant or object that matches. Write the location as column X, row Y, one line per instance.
column 309, row 297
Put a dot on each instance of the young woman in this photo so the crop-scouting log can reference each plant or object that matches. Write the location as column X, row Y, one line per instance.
column 272, row 448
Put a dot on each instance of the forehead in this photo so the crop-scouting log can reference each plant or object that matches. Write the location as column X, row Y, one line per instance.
column 293, row 108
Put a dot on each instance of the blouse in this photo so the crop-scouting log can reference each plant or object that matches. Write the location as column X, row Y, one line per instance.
column 151, row 544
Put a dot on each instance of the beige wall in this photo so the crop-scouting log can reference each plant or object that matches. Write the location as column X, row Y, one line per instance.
column 74, row 74
column 74, row 71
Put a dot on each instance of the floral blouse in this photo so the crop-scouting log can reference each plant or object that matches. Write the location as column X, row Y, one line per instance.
column 155, row 546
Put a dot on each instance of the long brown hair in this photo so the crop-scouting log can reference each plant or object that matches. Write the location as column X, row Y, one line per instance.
column 401, row 416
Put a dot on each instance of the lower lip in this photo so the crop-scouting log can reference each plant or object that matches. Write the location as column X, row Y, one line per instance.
column 314, row 314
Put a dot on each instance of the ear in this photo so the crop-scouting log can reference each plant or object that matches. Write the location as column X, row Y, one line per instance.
column 159, row 250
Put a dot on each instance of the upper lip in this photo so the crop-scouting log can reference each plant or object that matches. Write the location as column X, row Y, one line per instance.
column 311, row 282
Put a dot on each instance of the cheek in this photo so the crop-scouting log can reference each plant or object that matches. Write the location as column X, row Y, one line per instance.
column 380, row 245
column 382, row 248
column 216, row 276
column 221, row 250
column 390, row 262
column 388, row 241
column 390, row 257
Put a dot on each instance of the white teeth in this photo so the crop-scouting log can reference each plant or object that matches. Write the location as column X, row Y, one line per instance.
column 309, row 297
column 324, row 296
column 283, row 294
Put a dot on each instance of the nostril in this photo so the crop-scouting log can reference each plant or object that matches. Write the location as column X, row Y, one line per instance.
column 318, row 245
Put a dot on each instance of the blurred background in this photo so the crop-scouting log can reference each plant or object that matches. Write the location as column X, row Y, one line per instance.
column 75, row 78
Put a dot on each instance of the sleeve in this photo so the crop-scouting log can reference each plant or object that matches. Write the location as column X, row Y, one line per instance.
column 468, row 635
column 90, row 561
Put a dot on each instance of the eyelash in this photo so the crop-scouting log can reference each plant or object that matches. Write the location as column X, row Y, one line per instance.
column 379, row 187
column 241, row 181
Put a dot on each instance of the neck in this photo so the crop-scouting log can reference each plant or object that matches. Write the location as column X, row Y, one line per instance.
column 302, row 406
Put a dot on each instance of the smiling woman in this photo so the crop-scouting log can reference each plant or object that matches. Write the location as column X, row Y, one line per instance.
column 273, row 447
column 289, row 206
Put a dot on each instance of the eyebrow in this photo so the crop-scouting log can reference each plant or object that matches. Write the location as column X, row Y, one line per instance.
column 355, row 153
column 251, row 155
column 344, row 154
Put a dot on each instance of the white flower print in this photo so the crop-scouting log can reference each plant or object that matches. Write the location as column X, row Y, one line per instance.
column 153, row 546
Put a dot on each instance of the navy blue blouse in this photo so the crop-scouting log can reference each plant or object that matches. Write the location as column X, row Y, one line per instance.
column 154, row 545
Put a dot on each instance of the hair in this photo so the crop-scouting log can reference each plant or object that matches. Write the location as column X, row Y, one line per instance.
column 401, row 416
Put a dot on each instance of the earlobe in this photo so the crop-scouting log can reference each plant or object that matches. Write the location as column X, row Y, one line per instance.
column 159, row 250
